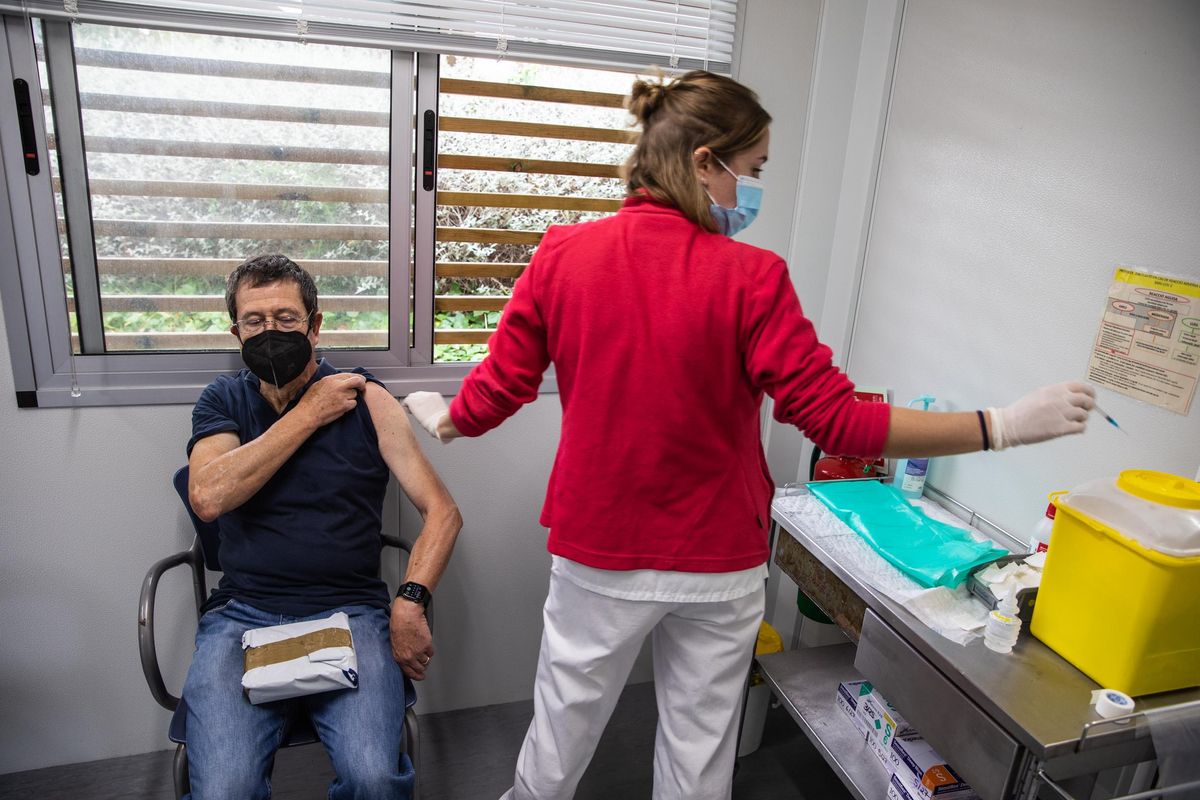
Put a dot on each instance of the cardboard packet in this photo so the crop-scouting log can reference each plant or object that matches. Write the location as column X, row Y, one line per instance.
column 923, row 772
column 882, row 720
column 848, row 698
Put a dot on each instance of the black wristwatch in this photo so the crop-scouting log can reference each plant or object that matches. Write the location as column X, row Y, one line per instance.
column 415, row 593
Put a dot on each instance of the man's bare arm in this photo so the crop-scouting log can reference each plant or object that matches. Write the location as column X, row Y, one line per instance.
column 412, row 645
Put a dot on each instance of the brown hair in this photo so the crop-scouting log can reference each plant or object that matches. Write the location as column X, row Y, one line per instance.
column 269, row 268
column 697, row 109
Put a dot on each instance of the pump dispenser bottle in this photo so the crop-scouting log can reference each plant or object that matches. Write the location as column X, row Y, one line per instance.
column 911, row 472
column 1003, row 626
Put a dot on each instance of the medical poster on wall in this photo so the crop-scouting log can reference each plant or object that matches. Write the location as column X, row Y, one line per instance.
column 1148, row 345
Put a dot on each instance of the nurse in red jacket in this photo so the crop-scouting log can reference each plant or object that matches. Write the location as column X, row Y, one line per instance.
column 665, row 334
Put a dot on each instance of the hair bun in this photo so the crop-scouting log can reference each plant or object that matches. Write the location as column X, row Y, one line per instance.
column 646, row 98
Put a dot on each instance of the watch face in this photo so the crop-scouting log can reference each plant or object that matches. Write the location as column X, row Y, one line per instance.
column 415, row 592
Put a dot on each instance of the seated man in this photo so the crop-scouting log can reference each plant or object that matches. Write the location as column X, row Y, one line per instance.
column 294, row 457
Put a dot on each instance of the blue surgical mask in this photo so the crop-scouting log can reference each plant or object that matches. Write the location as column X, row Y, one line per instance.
column 749, row 200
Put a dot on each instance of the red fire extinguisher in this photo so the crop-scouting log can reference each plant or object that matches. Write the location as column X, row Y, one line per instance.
column 831, row 468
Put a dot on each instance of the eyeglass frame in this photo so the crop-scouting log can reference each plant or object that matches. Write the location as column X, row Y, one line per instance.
column 240, row 323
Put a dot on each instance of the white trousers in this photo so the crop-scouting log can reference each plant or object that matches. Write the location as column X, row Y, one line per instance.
column 702, row 655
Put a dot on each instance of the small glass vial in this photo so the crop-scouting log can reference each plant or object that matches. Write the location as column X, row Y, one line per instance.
column 1003, row 626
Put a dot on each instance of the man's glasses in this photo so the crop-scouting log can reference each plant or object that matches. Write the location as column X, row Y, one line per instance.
column 251, row 326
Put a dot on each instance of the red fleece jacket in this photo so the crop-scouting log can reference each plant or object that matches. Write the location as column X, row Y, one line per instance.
column 664, row 338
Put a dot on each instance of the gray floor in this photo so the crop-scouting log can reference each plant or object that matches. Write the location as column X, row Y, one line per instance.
column 470, row 754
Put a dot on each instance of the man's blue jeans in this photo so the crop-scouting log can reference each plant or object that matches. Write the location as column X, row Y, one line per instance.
column 231, row 744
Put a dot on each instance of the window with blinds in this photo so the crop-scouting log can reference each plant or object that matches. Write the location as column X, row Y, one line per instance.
column 172, row 140
column 195, row 162
column 683, row 34
column 521, row 147
column 183, row 182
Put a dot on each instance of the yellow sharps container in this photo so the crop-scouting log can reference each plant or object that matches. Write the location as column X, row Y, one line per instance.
column 1120, row 593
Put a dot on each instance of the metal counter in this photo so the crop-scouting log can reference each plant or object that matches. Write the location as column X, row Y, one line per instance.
column 997, row 718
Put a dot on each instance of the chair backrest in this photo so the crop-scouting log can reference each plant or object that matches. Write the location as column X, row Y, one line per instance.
column 209, row 533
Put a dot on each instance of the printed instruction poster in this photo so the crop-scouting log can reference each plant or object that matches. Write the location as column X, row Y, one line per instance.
column 1148, row 346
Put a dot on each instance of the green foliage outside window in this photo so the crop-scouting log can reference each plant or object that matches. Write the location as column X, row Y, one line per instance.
column 364, row 143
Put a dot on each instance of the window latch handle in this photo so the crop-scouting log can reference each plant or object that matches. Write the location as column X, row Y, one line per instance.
column 29, row 148
column 429, row 161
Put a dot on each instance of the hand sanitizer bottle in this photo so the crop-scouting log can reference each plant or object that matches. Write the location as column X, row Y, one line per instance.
column 912, row 482
column 910, row 473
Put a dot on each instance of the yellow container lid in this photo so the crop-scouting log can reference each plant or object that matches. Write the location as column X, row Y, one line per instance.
column 1156, row 510
column 1161, row 487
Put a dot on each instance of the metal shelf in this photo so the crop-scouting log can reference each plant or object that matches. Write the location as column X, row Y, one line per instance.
column 1033, row 695
column 806, row 682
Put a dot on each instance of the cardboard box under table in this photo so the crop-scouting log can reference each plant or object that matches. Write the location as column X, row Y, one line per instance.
column 923, row 772
column 849, row 694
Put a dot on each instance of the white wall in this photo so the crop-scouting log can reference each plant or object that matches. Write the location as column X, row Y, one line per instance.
column 1030, row 149
column 88, row 507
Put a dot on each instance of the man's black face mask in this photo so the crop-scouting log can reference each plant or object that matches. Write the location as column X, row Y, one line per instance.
column 277, row 357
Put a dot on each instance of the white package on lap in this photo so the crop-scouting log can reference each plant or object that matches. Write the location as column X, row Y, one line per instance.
column 299, row 658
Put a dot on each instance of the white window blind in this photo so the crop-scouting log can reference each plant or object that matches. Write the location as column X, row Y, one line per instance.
column 677, row 34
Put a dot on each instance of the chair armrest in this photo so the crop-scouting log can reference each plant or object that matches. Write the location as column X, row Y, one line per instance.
column 146, row 648
column 390, row 540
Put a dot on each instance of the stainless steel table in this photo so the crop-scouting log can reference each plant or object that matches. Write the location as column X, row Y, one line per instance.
column 998, row 719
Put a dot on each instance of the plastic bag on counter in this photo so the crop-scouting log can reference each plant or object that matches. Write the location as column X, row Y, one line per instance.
column 931, row 552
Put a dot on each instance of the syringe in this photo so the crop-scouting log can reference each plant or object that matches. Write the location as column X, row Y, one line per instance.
column 1110, row 420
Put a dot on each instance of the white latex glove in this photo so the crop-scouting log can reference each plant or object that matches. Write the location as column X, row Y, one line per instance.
column 1045, row 413
column 428, row 409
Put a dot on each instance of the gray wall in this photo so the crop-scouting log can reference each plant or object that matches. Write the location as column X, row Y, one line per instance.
column 828, row 94
column 777, row 57
column 88, row 507
column 1030, row 149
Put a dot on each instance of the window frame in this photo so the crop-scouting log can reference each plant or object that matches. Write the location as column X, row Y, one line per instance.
column 47, row 374
column 37, row 317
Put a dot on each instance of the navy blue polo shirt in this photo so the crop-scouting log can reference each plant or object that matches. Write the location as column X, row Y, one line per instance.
column 308, row 540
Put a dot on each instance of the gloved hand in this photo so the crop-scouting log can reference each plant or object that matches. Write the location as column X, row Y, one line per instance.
column 1045, row 413
column 428, row 409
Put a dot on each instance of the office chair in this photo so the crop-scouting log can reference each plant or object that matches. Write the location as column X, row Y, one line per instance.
column 204, row 553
